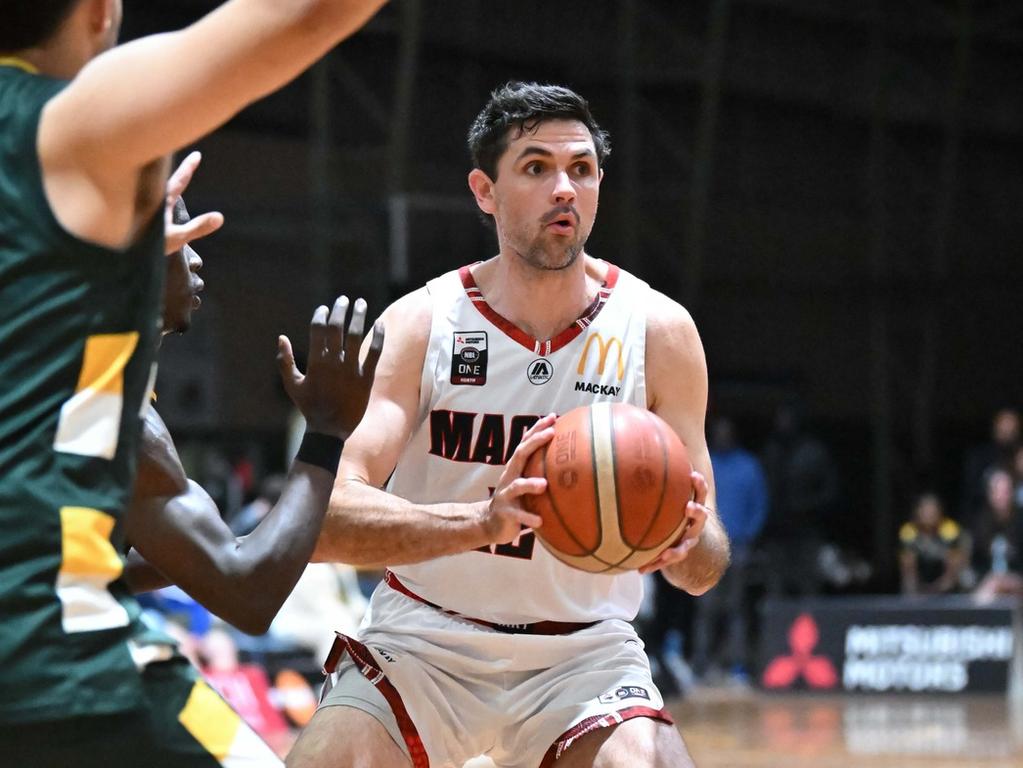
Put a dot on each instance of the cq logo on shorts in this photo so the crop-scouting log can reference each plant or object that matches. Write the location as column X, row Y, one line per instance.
column 603, row 352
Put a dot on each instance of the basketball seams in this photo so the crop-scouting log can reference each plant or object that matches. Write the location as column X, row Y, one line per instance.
column 663, row 478
column 611, row 549
column 586, row 551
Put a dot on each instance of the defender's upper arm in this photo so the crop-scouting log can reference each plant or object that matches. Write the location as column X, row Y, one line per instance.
column 145, row 99
column 376, row 445
column 677, row 377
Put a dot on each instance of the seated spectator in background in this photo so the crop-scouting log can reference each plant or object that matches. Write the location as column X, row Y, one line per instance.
column 933, row 549
column 742, row 504
column 997, row 453
column 245, row 687
column 998, row 553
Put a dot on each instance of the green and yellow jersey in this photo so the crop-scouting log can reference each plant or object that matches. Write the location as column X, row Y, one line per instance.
column 78, row 331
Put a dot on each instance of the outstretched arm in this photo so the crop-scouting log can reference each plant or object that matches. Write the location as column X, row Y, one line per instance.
column 677, row 392
column 367, row 526
column 177, row 528
column 103, row 138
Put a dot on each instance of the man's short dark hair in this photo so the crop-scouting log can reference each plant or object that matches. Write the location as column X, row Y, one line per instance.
column 524, row 106
column 27, row 23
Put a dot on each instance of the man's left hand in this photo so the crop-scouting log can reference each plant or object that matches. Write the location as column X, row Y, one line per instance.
column 696, row 514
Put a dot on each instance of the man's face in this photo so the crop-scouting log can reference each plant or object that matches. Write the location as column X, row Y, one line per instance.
column 545, row 196
column 182, row 287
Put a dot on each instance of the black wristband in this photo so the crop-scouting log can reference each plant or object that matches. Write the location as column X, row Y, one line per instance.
column 321, row 450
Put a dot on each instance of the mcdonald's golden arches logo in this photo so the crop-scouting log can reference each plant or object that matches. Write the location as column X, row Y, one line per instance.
column 603, row 352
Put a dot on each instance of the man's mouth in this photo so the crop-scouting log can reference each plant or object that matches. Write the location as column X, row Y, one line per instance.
column 562, row 223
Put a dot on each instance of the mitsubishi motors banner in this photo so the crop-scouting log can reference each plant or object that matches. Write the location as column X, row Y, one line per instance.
column 881, row 644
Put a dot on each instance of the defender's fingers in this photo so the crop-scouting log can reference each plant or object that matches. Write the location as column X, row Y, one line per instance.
column 182, row 176
column 335, row 332
column 376, row 345
column 317, row 334
column 180, row 235
column 286, row 361
column 356, row 329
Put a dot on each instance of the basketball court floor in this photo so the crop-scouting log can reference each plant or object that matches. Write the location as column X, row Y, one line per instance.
column 726, row 729
column 746, row 729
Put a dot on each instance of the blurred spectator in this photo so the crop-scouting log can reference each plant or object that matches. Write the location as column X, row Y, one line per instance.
column 741, row 491
column 998, row 554
column 326, row 600
column 998, row 452
column 248, row 517
column 1017, row 478
column 245, row 687
column 174, row 604
column 803, row 482
column 933, row 549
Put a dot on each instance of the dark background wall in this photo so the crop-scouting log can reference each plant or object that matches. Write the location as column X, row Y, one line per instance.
column 833, row 188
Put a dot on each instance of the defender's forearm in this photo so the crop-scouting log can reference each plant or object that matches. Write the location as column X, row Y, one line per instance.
column 366, row 526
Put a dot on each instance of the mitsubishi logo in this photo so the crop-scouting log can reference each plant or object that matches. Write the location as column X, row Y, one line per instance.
column 818, row 671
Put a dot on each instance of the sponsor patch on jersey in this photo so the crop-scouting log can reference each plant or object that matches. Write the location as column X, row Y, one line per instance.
column 597, row 389
column 624, row 692
column 540, row 371
column 469, row 358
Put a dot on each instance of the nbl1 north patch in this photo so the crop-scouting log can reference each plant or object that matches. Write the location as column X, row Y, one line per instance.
column 469, row 358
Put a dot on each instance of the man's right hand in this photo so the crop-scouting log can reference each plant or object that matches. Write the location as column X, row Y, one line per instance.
column 333, row 393
column 504, row 515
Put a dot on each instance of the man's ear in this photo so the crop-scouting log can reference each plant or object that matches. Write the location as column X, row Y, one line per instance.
column 101, row 15
column 483, row 190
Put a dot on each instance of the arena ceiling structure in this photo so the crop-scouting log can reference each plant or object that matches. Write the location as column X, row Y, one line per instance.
column 832, row 187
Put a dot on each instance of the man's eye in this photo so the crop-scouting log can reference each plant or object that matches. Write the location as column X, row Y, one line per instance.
column 534, row 169
column 583, row 169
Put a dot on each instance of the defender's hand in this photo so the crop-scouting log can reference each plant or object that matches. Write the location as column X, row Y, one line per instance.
column 696, row 513
column 177, row 236
column 504, row 516
column 333, row 393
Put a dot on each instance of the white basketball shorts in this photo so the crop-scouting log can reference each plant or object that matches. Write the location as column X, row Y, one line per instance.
column 447, row 689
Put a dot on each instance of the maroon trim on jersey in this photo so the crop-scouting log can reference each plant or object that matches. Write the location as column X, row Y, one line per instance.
column 369, row 668
column 535, row 628
column 610, row 720
column 537, row 347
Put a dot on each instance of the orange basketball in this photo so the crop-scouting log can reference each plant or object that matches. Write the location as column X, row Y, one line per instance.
column 618, row 479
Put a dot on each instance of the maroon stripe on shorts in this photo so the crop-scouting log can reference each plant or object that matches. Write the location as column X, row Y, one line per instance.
column 610, row 720
column 369, row 668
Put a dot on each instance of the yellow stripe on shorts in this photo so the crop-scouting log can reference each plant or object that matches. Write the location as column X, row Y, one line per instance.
column 222, row 733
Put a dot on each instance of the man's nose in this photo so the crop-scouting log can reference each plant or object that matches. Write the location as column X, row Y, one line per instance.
column 194, row 260
column 564, row 191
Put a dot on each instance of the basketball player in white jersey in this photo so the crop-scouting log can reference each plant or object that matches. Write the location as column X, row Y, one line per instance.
column 480, row 641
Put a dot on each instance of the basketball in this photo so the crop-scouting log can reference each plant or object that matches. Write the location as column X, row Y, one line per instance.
column 618, row 480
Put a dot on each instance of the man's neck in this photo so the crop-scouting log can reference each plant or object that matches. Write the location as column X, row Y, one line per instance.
column 61, row 63
column 541, row 302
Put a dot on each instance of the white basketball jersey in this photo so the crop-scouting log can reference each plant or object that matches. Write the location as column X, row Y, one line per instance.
column 485, row 382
